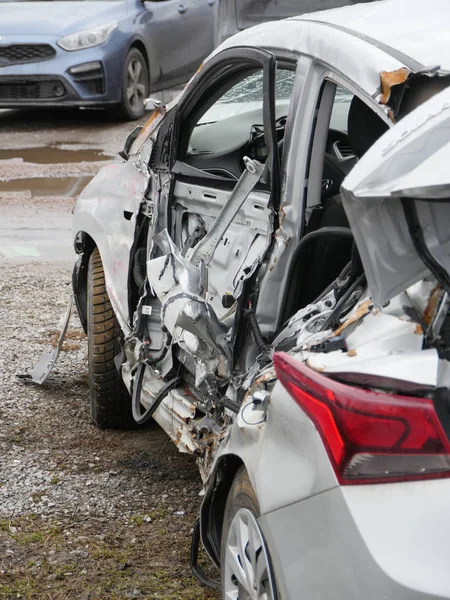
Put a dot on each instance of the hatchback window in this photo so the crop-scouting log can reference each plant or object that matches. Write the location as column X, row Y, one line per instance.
column 233, row 124
column 248, row 94
column 353, row 126
column 341, row 105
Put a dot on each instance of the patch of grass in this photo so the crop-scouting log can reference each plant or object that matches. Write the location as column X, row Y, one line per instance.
column 158, row 513
column 105, row 551
column 137, row 519
column 26, row 530
column 24, row 587
column 36, row 496
column 67, row 559
column 33, row 537
column 64, row 570
column 4, row 524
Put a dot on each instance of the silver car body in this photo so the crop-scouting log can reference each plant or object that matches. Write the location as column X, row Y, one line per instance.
column 385, row 540
column 379, row 540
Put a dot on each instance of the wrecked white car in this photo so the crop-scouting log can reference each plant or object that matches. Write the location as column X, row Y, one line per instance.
column 293, row 336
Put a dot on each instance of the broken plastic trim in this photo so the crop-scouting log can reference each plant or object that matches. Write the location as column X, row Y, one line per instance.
column 196, row 569
column 39, row 373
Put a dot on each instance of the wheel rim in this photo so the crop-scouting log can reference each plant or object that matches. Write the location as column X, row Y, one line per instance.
column 135, row 88
column 247, row 572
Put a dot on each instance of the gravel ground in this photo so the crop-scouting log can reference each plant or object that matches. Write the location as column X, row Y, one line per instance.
column 84, row 514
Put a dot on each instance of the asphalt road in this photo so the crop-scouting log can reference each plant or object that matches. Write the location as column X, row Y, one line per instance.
column 46, row 158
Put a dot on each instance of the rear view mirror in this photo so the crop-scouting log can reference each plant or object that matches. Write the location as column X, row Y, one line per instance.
column 129, row 142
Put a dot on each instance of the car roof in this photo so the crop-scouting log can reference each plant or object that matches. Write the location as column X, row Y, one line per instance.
column 417, row 29
column 362, row 40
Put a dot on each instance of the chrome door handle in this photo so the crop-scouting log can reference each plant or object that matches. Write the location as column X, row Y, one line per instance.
column 182, row 9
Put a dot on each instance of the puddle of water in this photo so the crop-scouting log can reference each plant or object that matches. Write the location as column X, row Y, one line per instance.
column 67, row 187
column 52, row 155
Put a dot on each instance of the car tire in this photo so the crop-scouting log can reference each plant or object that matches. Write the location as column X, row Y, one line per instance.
column 135, row 87
column 241, row 514
column 110, row 402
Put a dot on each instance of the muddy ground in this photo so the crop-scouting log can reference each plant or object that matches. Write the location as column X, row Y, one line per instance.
column 84, row 514
column 46, row 158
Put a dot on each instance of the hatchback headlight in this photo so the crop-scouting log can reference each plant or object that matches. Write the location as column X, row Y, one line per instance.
column 88, row 38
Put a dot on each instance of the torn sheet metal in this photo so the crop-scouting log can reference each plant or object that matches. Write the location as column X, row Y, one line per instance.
column 389, row 79
column 383, row 347
column 172, row 269
column 408, row 372
column 180, row 286
column 39, row 373
column 306, row 321
column 174, row 415
column 241, row 248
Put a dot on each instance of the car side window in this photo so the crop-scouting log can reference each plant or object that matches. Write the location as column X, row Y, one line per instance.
column 230, row 126
column 345, row 129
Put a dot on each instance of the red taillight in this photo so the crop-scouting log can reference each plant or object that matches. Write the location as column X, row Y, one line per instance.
column 369, row 436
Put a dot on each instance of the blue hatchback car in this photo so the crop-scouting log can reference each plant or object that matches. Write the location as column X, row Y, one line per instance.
column 107, row 53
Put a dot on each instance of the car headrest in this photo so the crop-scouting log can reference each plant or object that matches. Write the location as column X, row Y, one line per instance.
column 364, row 126
column 419, row 90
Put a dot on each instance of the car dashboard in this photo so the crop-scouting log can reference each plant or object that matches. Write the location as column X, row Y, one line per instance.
column 219, row 146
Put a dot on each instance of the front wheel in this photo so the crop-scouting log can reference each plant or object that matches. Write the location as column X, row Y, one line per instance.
column 109, row 398
column 245, row 562
column 135, row 87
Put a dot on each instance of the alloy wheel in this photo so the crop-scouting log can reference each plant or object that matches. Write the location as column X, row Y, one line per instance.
column 247, row 571
column 136, row 84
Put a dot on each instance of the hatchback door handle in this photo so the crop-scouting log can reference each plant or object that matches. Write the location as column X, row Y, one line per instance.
column 182, row 9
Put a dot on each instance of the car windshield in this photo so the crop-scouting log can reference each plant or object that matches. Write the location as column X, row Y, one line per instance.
column 251, row 88
column 247, row 95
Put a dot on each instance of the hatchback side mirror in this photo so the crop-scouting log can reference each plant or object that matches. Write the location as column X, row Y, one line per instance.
column 129, row 142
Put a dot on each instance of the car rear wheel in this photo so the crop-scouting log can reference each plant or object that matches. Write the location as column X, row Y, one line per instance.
column 245, row 562
column 135, row 87
column 109, row 399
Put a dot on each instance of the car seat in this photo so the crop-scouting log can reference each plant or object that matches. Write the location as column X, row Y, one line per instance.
column 321, row 261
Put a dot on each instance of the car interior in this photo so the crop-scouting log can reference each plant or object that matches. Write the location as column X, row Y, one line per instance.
column 231, row 127
column 321, row 261
column 327, row 252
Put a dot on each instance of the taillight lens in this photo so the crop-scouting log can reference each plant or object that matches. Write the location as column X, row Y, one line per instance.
column 370, row 437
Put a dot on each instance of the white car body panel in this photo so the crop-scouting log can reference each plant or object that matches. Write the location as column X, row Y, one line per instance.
column 101, row 213
column 417, row 146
